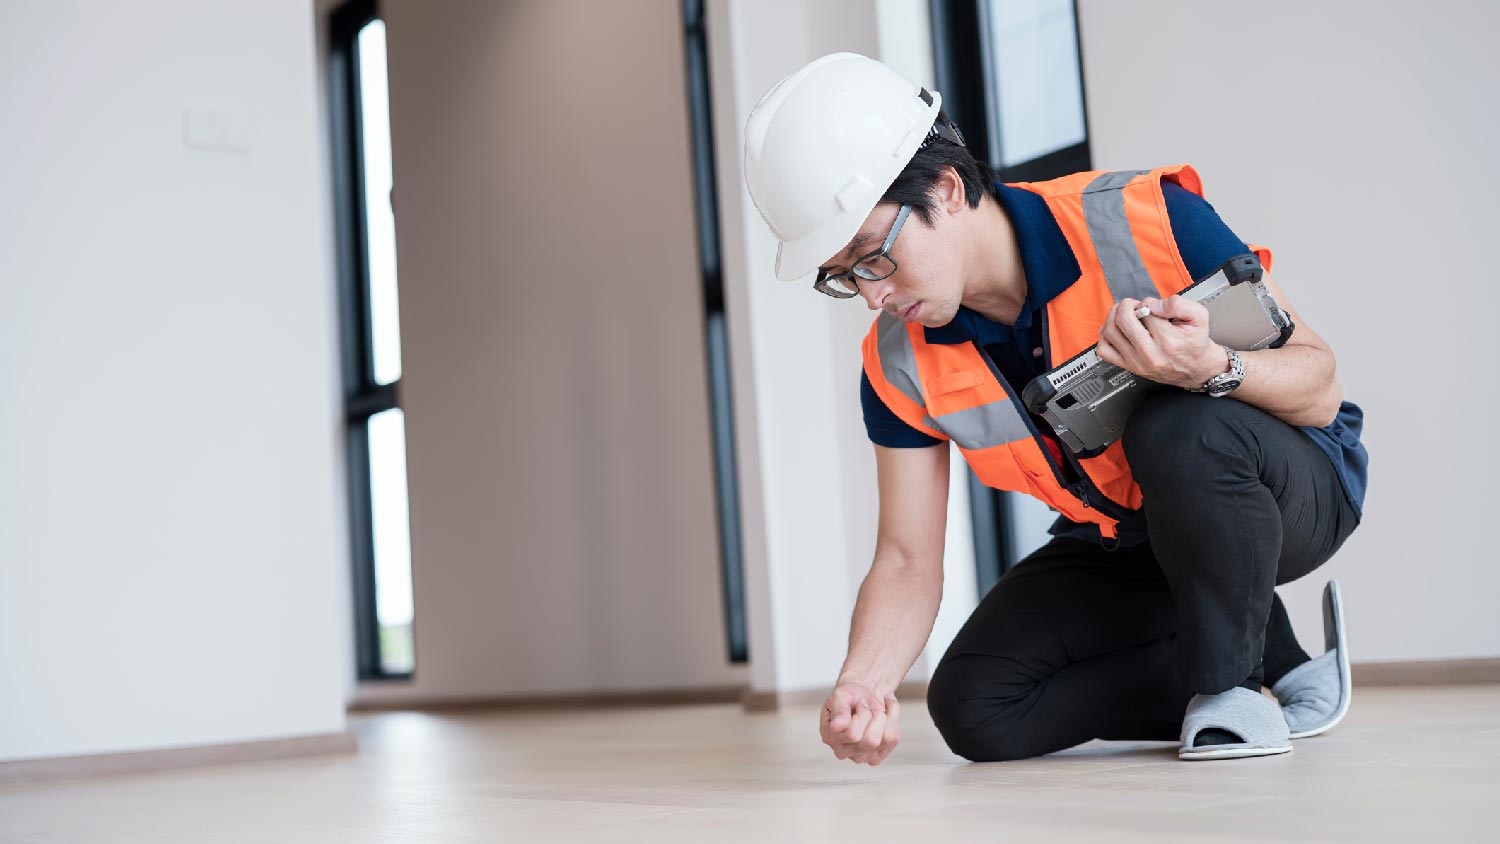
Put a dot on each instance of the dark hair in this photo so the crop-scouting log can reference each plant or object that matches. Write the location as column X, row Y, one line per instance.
column 916, row 184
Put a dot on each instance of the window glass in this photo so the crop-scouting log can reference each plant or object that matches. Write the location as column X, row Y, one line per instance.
column 380, row 220
column 390, row 525
column 1039, row 89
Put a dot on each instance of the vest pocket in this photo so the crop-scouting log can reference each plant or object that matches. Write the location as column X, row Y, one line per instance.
column 963, row 379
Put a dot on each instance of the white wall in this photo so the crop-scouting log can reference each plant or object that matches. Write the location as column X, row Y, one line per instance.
column 171, row 535
column 809, row 478
column 562, row 502
column 1356, row 139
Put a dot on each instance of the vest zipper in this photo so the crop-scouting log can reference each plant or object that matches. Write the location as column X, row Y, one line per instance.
column 1085, row 485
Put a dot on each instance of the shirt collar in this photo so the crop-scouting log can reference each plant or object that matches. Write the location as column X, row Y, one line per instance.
column 1046, row 258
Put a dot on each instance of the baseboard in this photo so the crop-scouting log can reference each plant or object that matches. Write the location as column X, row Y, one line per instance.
column 166, row 759
column 580, row 700
column 1427, row 672
column 758, row 701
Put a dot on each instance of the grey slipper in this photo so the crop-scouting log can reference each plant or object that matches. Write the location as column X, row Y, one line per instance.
column 1315, row 695
column 1250, row 715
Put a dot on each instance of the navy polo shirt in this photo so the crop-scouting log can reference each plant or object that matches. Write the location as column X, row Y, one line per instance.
column 1204, row 242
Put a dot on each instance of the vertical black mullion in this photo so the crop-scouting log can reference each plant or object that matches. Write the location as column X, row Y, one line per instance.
column 699, row 103
column 716, row 338
column 361, row 517
column 991, row 525
column 958, row 68
column 362, row 396
column 344, row 118
column 349, row 144
column 736, row 628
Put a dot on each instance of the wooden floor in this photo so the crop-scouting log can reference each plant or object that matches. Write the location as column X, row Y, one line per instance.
column 1408, row 764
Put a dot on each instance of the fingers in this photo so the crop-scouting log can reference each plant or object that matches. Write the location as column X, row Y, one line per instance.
column 843, row 742
column 1158, row 323
column 1182, row 310
column 1130, row 328
column 1106, row 350
column 1179, row 327
column 1143, row 345
column 880, row 738
column 862, row 716
column 886, row 748
column 870, row 733
column 1157, row 310
column 1108, row 353
column 1113, row 338
column 835, row 719
column 844, row 713
column 892, row 732
column 872, row 740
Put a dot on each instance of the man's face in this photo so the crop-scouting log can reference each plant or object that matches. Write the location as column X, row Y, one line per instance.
column 927, row 266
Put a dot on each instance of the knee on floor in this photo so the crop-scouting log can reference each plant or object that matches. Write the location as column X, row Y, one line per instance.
column 979, row 726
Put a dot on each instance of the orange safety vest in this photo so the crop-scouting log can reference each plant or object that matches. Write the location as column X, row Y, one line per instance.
column 1117, row 225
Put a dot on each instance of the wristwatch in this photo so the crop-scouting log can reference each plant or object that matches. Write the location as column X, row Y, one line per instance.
column 1225, row 382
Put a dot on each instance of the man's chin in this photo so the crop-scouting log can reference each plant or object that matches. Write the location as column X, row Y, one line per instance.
column 932, row 320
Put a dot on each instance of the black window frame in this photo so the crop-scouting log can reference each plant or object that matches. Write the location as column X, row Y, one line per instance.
column 964, row 67
column 716, row 336
column 363, row 397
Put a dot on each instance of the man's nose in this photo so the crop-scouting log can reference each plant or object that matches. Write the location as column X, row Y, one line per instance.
column 875, row 293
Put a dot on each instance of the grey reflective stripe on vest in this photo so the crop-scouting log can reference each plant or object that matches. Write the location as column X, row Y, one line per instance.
column 983, row 426
column 898, row 362
column 977, row 427
column 896, row 358
column 1104, row 214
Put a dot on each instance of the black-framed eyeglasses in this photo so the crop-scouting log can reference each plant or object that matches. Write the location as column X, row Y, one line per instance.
column 874, row 266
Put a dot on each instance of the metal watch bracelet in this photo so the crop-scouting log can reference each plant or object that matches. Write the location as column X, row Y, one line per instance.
column 1235, row 372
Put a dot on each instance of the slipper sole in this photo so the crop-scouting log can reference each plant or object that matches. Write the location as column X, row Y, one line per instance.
column 1334, row 639
column 1255, row 720
column 1229, row 752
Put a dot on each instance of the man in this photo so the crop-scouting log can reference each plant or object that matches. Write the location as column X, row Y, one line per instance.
column 1151, row 613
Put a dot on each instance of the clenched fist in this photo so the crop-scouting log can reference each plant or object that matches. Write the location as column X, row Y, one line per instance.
column 859, row 724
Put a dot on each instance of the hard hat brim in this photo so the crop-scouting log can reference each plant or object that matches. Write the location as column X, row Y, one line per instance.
column 798, row 259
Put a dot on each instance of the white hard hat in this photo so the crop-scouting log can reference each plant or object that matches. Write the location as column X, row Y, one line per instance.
column 822, row 146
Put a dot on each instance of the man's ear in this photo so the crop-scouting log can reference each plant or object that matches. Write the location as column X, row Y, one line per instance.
column 951, row 190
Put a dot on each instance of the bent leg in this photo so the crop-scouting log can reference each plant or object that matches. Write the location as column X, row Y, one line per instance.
column 1073, row 643
column 1237, row 502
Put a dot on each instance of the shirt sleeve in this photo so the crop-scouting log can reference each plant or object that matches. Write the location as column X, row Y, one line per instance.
column 1203, row 239
column 884, row 427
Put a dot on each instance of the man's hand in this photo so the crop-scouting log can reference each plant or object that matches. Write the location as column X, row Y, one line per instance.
column 1169, row 346
column 858, row 724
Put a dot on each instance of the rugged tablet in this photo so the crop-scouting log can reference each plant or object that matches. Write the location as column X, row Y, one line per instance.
column 1087, row 400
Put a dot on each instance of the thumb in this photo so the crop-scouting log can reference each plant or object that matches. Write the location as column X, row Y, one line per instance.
column 838, row 711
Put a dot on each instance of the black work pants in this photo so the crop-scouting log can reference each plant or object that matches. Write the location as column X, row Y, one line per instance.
column 1077, row 642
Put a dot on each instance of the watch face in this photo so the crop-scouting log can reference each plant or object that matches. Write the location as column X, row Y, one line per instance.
column 1223, row 387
